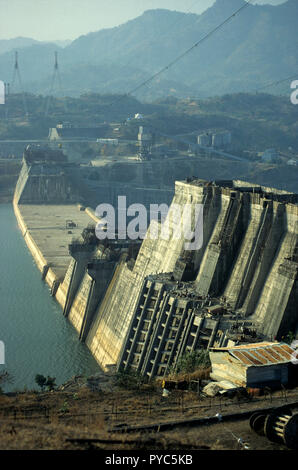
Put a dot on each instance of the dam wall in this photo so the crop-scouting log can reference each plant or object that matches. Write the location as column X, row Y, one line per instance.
column 276, row 310
column 244, row 266
column 109, row 327
column 89, row 295
column 39, row 259
column 223, row 244
column 22, row 181
column 45, row 224
column 248, row 261
column 108, row 192
column 44, row 184
column 107, row 334
column 80, row 255
column 145, row 304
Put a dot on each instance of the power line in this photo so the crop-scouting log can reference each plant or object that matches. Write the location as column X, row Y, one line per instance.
column 277, row 82
column 159, row 37
column 181, row 56
column 145, row 83
column 107, row 53
column 210, row 150
column 268, row 85
column 263, row 87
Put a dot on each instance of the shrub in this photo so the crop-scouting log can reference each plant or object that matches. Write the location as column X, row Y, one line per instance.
column 289, row 338
column 129, row 379
column 64, row 408
column 190, row 361
column 43, row 382
column 50, row 383
column 5, row 377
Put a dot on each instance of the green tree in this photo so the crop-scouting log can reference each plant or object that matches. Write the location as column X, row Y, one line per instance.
column 290, row 337
column 41, row 381
column 190, row 361
column 5, row 377
column 51, row 382
column 129, row 379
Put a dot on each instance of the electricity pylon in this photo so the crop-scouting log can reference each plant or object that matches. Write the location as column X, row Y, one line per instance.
column 56, row 77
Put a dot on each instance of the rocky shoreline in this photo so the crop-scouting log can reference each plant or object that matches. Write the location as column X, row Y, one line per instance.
column 95, row 383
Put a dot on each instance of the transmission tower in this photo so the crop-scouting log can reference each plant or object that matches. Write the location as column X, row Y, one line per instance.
column 10, row 87
column 56, row 77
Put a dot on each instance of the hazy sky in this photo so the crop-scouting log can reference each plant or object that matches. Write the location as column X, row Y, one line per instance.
column 67, row 19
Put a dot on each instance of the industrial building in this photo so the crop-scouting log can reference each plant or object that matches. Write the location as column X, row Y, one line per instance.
column 221, row 139
column 270, row 156
column 215, row 139
column 66, row 131
column 253, row 365
column 145, row 143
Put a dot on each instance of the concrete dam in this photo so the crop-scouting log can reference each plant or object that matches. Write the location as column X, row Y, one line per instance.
column 142, row 304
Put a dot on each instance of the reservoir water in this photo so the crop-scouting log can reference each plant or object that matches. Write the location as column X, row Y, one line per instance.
column 37, row 338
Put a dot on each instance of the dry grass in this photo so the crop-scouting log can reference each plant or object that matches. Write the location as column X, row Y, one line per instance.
column 198, row 374
column 47, row 420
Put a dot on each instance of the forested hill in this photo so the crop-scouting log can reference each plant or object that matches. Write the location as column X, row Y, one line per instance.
column 257, row 121
column 257, row 46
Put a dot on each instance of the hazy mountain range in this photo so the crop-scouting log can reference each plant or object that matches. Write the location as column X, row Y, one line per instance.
column 7, row 45
column 257, row 46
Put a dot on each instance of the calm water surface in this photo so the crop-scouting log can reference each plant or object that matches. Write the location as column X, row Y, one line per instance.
column 37, row 338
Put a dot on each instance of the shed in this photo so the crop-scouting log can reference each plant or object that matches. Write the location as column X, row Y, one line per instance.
column 292, row 162
column 270, row 155
column 253, row 365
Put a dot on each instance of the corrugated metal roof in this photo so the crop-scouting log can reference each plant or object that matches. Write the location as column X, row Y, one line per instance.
column 259, row 354
column 245, row 346
column 242, row 357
